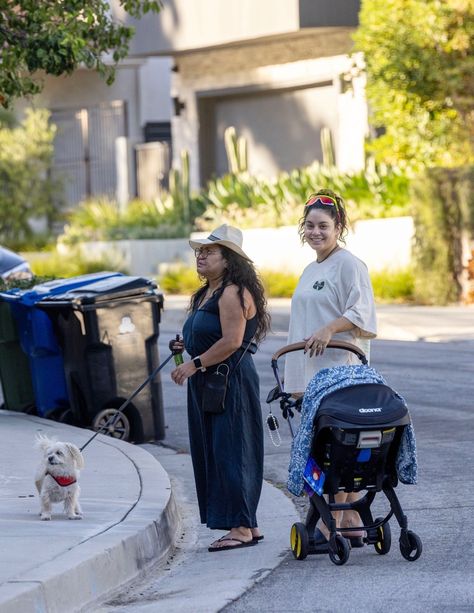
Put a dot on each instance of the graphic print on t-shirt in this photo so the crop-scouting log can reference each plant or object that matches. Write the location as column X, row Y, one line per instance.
column 318, row 285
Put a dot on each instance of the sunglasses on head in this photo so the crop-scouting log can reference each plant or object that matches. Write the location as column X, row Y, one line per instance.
column 320, row 199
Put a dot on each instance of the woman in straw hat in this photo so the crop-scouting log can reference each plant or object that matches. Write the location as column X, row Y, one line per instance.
column 227, row 319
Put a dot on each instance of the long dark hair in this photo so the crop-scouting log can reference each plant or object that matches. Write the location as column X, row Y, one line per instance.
column 242, row 273
column 337, row 213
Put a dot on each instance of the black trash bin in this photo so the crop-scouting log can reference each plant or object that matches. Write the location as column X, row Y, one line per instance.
column 15, row 374
column 109, row 335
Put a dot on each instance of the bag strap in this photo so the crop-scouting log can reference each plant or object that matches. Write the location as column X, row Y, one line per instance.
column 240, row 359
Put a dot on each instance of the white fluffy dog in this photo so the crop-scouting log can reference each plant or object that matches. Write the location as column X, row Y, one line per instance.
column 57, row 476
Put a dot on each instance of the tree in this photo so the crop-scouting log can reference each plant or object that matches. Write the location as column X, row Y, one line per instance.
column 28, row 189
column 419, row 57
column 57, row 36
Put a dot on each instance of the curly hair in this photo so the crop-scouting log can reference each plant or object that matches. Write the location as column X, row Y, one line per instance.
column 337, row 213
column 241, row 273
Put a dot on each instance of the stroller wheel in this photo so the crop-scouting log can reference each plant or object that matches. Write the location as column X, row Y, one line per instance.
column 384, row 538
column 410, row 546
column 299, row 541
column 339, row 550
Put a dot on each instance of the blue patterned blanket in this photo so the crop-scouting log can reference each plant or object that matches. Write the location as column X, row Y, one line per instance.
column 325, row 382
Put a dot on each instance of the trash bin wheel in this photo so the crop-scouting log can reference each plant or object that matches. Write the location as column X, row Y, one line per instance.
column 30, row 409
column 113, row 423
column 66, row 417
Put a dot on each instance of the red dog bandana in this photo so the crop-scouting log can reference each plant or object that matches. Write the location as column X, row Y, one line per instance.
column 63, row 481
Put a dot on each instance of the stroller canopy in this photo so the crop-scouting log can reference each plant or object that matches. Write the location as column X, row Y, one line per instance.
column 364, row 404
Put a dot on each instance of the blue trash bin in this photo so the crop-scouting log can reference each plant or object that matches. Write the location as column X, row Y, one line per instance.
column 109, row 335
column 38, row 339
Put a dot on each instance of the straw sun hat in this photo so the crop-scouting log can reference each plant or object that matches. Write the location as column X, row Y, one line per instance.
column 224, row 235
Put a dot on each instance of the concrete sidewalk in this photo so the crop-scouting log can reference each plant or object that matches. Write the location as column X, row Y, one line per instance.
column 58, row 566
column 131, row 524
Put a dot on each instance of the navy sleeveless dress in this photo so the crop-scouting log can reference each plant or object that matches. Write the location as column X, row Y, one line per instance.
column 226, row 448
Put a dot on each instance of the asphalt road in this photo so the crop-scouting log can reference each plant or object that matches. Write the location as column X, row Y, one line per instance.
column 436, row 379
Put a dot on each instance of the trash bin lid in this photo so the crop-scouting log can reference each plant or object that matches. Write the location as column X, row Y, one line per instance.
column 10, row 262
column 104, row 290
column 57, row 286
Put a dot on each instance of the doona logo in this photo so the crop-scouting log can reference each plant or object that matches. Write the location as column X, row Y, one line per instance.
column 374, row 410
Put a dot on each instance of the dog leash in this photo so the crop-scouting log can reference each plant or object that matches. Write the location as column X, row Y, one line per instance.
column 114, row 418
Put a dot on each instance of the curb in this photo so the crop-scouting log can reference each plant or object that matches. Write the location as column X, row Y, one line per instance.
column 102, row 563
column 195, row 580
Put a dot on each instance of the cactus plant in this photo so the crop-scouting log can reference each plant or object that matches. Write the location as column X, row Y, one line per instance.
column 185, row 184
column 179, row 186
column 237, row 151
column 327, row 147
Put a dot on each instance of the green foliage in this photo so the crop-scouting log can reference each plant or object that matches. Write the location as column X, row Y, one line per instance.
column 236, row 150
column 393, row 285
column 27, row 189
column 279, row 284
column 180, row 280
column 444, row 211
column 419, row 58
column 389, row 285
column 247, row 201
column 240, row 199
column 58, row 37
column 57, row 265
column 327, row 147
column 184, row 280
column 169, row 216
column 180, row 190
column 25, row 283
column 104, row 220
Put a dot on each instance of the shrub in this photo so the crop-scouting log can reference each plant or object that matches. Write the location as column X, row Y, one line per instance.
column 393, row 285
column 279, row 284
column 443, row 214
column 389, row 285
column 240, row 199
column 54, row 264
column 23, row 284
column 248, row 201
column 27, row 189
column 103, row 219
column 184, row 280
column 179, row 280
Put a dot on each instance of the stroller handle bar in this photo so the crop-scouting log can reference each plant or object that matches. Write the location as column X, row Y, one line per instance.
column 331, row 345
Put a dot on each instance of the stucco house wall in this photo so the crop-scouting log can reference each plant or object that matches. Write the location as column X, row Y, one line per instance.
column 139, row 94
column 279, row 94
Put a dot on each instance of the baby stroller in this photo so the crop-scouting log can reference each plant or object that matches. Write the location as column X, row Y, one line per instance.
column 355, row 438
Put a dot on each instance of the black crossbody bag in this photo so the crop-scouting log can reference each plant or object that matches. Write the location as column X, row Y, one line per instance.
column 215, row 386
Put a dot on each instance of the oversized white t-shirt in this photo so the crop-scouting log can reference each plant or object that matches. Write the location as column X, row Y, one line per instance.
column 337, row 287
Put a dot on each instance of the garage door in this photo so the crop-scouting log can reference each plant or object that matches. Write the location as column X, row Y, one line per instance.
column 282, row 127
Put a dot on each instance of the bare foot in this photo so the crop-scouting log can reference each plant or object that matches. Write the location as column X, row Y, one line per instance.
column 352, row 519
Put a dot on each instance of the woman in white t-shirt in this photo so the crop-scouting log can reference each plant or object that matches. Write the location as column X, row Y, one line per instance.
column 333, row 301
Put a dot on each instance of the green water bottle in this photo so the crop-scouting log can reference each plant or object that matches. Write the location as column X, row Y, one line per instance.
column 178, row 357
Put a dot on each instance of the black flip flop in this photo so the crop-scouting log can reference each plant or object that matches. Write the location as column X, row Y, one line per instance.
column 258, row 538
column 227, row 547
